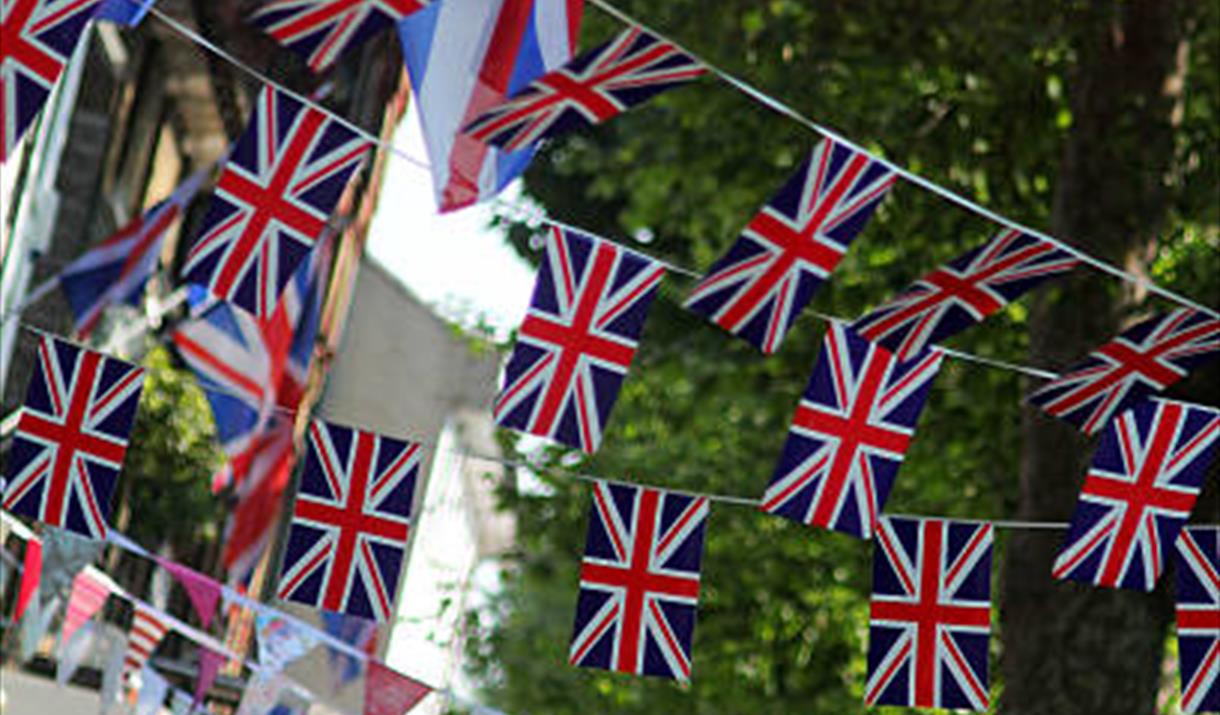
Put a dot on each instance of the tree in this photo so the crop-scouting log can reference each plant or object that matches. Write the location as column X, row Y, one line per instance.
column 1013, row 103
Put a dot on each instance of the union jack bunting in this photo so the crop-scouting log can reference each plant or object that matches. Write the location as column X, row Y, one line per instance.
column 1142, row 360
column 963, row 292
column 283, row 179
column 37, row 37
column 147, row 629
column 1141, row 487
column 578, row 339
column 72, row 437
column 639, row 582
column 117, row 269
column 757, row 289
column 238, row 364
column 349, row 527
column 260, row 475
column 589, row 90
column 850, row 433
column 320, row 31
column 1199, row 618
column 930, row 615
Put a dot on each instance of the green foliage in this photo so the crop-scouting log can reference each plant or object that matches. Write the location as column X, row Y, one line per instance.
column 171, row 459
column 974, row 96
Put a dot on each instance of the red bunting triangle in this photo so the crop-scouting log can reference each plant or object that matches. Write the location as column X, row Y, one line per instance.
column 209, row 665
column 388, row 692
column 31, row 575
column 203, row 591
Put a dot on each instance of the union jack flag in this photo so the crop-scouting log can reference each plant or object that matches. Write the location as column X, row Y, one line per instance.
column 301, row 306
column 261, row 475
column 1145, row 358
column 930, row 619
column 591, row 89
column 283, row 179
column 72, row 437
column 962, row 293
column 1141, row 487
column 1199, row 618
column 639, row 582
column 349, row 527
column 320, row 31
column 757, row 289
column 147, row 629
column 117, row 269
column 578, row 339
column 850, row 433
column 37, row 37
column 238, row 365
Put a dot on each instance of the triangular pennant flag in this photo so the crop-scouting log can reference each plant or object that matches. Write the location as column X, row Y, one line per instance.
column 73, row 651
column 388, row 692
column 148, row 627
column 88, row 594
column 203, row 591
column 209, row 664
column 153, row 688
column 31, row 576
column 35, row 624
column 358, row 632
column 113, row 649
column 262, row 693
column 280, row 642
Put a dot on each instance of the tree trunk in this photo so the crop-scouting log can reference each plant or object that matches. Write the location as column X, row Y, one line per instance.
column 1072, row 648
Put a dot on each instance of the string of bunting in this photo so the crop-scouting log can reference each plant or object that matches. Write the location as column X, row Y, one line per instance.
column 166, row 622
column 640, row 576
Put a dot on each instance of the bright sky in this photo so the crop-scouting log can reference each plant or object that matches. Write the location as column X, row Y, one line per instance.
column 453, row 262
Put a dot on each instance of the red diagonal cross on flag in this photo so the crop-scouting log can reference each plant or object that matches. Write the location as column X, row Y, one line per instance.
column 1139, row 497
column 853, row 432
column 576, row 340
column 585, row 95
column 270, row 202
column 1146, row 363
column 70, row 439
column 967, row 289
column 928, row 613
column 13, row 46
column 795, row 245
column 352, row 521
column 637, row 580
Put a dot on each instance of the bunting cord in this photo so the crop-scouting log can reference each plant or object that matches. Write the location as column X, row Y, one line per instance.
column 729, row 499
column 788, row 111
column 233, row 595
